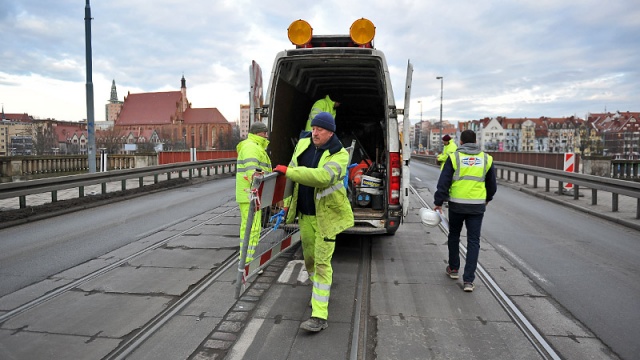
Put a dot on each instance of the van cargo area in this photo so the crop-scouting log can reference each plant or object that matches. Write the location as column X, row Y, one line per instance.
column 358, row 79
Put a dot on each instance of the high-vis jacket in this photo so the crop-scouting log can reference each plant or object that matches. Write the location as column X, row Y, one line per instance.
column 333, row 210
column 469, row 174
column 322, row 105
column 446, row 151
column 252, row 155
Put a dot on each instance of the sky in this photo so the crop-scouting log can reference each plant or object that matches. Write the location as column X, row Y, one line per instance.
column 525, row 58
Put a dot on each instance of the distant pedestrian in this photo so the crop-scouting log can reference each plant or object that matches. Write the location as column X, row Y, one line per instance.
column 252, row 157
column 449, row 148
column 319, row 201
column 468, row 182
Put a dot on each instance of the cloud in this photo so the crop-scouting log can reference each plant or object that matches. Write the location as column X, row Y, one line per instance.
column 498, row 58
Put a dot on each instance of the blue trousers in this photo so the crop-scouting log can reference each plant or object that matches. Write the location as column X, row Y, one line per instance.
column 473, row 223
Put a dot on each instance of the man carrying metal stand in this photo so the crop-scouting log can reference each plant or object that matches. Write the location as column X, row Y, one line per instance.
column 319, row 201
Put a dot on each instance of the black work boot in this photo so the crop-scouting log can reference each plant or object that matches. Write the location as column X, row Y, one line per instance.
column 314, row 324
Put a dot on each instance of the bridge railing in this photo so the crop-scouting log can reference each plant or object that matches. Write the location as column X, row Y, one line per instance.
column 616, row 187
column 54, row 184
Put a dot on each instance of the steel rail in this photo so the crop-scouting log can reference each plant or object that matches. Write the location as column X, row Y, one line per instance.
column 530, row 332
column 361, row 304
column 130, row 345
column 94, row 274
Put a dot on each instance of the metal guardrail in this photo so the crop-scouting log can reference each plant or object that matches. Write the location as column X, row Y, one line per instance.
column 614, row 186
column 54, row 184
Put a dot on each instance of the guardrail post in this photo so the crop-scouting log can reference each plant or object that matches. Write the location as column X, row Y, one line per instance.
column 123, row 185
column 80, row 191
column 54, row 196
column 23, row 201
column 614, row 202
column 547, row 185
column 576, row 191
column 140, row 181
column 103, row 187
column 535, row 182
column 155, row 178
column 594, row 197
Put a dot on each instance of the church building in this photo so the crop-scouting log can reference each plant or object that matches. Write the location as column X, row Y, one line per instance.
column 169, row 117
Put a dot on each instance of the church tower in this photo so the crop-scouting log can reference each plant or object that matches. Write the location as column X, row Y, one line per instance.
column 112, row 109
column 183, row 90
column 114, row 93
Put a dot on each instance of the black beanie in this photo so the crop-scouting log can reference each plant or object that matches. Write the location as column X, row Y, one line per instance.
column 325, row 121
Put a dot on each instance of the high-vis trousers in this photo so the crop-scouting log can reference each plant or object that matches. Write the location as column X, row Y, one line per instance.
column 255, row 229
column 317, row 252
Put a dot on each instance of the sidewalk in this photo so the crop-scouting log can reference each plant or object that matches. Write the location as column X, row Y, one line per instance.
column 415, row 311
column 627, row 206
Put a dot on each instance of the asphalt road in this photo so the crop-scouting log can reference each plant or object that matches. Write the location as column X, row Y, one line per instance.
column 588, row 265
column 32, row 252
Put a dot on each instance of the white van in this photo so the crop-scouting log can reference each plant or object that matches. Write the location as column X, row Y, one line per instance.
column 350, row 69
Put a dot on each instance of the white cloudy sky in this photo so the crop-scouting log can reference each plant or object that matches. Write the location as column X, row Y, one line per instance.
column 498, row 57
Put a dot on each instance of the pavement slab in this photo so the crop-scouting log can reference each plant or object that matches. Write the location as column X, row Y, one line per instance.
column 145, row 280
column 81, row 314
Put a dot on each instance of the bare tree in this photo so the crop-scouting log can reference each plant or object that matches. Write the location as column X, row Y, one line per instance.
column 44, row 138
column 109, row 139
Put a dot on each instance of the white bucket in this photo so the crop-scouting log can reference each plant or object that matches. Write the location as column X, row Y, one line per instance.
column 370, row 181
column 371, row 190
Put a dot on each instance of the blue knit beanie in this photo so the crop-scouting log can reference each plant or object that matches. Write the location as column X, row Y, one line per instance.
column 325, row 121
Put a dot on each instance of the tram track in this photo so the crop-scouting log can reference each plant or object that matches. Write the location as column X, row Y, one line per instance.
column 530, row 332
column 99, row 272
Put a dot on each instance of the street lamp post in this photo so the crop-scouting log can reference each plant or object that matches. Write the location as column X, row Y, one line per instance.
column 441, row 84
column 420, row 137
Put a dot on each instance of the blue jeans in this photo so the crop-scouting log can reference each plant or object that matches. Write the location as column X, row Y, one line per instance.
column 473, row 223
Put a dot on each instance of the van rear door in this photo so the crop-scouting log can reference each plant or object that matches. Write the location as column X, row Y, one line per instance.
column 406, row 144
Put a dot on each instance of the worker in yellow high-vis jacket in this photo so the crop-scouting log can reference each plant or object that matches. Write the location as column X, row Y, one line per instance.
column 323, row 105
column 319, row 201
column 252, row 157
column 449, row 148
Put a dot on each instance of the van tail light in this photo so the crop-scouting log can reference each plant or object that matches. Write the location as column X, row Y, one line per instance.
column 394, row 180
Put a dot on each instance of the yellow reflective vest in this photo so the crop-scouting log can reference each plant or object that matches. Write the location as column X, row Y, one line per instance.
column 446, row 151
column 333, row 210
column 322, row 105
column 252, row 155
column 469, row 173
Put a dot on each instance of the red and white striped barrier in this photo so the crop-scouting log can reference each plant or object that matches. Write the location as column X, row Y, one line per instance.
column 266, row 190
column 569, row 166
column 269, row 255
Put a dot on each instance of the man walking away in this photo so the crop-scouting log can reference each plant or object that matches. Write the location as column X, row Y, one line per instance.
column 468, row 181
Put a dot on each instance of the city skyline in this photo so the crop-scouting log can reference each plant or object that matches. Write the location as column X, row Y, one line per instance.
column 529, row 59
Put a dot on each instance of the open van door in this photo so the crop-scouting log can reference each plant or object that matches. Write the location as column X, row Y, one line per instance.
column 406, row 142
column 255, row 92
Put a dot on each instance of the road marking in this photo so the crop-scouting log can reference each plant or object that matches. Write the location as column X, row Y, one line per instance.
column 246, row 339
column 287, row 274
column 417, row 178
column 524, row 265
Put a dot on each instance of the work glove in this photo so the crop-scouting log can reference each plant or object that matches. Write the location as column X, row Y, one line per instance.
column 281, row 169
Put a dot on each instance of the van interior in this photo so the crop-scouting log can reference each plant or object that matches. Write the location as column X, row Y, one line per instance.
column 359, row 84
